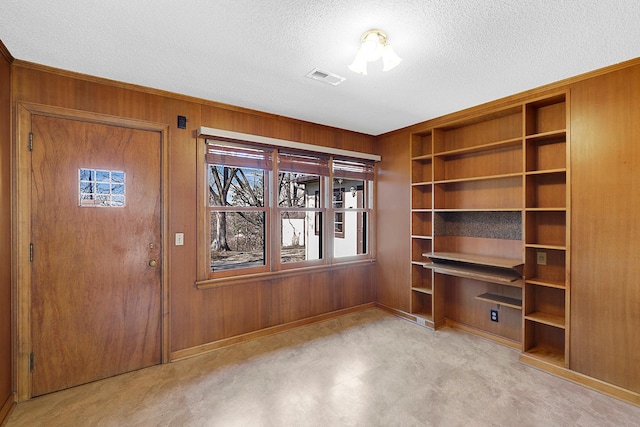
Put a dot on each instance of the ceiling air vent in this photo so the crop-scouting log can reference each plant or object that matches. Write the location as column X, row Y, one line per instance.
column 325, row 77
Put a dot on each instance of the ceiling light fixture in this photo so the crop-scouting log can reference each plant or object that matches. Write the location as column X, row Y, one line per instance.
column 373, row 46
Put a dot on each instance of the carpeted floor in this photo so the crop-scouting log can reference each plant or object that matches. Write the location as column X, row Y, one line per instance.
column 362, row 369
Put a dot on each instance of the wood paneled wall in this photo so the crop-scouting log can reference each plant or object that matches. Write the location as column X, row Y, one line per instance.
column 605, row 159
column 605, row 294
column 393, row 221
column 199, row 317
column 6, row 344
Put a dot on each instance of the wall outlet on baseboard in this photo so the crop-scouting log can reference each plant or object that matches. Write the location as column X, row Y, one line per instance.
column 494, row 315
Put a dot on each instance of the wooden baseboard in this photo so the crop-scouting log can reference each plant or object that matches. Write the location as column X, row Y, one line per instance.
column 583, row 380
column 205, row 348
column 493, row 337
column 397, row 312
column 6, row 408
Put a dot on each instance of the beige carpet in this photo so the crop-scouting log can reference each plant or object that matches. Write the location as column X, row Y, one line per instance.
column 363, row 369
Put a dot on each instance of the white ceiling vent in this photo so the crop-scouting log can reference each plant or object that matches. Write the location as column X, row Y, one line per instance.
column 325, row 77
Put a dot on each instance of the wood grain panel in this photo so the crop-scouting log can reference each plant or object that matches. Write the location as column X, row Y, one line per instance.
column 484, row 132
column 51, row 88
column 486, row 163
column 181, row 178
column 393, row 224
column 480, row 246
column 6, row 343
column 504, row 193
column 246, row 307
column 605, row 292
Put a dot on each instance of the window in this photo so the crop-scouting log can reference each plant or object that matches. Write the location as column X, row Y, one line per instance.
column 352, row 204
column 101, row 188
column 300, row 203
column 237, row 208
column 267, row 208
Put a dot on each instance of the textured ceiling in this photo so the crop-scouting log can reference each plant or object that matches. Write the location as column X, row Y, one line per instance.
column 255, row 54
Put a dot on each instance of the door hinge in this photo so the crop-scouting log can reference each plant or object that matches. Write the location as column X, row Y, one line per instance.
column 30, row 141
column 31, row 252
column 31, row 362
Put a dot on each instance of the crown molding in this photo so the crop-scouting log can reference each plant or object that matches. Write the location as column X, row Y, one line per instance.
column 5, row 52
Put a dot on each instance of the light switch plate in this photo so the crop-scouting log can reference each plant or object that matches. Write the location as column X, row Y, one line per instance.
column 179, row 239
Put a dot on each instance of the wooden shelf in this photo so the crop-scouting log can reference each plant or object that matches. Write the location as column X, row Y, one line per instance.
column 420, row 210
column 557, row 284
column 421, row 184
column 544, row 354
column 481, row 260
column 425, row 264
column 427, row 316
column 547, row 136
column 484, row 147
column 546, row 171
column 559, row 209
column 417, row 236
column 478, row 178
column 423, row 290
column 546, row 319
column 444, row 210
column 553, row 247
column 501, row 300
column 423, row 157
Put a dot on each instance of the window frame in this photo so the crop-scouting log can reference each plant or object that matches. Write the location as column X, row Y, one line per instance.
column 273, row 261
column 366, row 209
column 312, row 168
column 266, row 167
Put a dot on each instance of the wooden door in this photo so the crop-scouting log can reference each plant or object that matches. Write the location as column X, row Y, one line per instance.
column 96, row 273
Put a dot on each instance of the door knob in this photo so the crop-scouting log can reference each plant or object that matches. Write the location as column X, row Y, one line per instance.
column 153, row 263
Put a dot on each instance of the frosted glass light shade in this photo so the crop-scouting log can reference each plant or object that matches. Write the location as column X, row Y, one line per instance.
column 389, row 58
column 373, row 46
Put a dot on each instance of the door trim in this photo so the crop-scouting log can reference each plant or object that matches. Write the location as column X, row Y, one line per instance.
column 21, row 238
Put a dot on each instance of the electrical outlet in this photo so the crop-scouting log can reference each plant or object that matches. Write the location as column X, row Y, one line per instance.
column 541, row 258
column 494, row 315
column 179, row 239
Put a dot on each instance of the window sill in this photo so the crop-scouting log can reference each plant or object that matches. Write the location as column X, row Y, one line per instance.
column 274, row 275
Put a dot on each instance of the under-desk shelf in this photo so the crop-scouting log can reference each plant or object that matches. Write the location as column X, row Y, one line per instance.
column 501, row 300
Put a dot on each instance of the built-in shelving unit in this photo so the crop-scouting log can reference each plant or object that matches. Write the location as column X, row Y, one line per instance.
column 489, row 203
column 546, row 295
column 422, row 298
